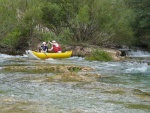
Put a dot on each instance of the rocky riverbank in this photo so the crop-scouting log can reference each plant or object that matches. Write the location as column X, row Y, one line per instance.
column 87, row 50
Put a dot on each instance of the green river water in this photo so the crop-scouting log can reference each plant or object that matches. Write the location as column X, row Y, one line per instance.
column 124, row 88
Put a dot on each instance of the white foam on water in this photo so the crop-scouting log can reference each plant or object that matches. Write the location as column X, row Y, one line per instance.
column 50, row 59
column 138, row 53
column 4, row 56
column 76, row 58
column 137, row 67
column 140, row 69
column 1, row 68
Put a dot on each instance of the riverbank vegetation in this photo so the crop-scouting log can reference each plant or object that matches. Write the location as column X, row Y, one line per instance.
column 99, row 55
column 95, row 22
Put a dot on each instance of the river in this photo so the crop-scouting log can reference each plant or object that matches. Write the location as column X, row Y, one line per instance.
column 124, row 88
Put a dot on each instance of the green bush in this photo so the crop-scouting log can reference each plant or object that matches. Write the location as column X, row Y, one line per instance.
column 99, row 55
column 11, row 39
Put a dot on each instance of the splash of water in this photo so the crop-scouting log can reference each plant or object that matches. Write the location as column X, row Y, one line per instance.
column 138, row 53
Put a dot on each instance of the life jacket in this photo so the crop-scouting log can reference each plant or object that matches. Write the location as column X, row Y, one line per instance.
column 44, row 48
column 56, row 47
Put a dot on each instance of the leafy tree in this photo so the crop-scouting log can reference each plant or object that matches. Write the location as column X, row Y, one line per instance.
column 96, row 22
column 141, row 25
column 19, row 19
column 92, row 21
column 7, row 18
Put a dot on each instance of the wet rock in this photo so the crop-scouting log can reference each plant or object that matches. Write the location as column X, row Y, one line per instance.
column 48, row 68
column 115, row 54
column 86, row 69
column 73, row 77
column 64, row 73
column 11, row 105
column 141, row 94
column 115, row 91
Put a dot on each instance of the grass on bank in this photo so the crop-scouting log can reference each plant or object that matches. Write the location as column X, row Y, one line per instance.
column 99, row 55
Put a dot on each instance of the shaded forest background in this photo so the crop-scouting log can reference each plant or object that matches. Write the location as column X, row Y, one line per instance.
column 105, row 23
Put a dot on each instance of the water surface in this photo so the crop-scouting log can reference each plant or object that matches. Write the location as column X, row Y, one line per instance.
column 123, row 88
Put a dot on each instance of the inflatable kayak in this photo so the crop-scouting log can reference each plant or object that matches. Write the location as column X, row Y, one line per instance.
column 38, row 55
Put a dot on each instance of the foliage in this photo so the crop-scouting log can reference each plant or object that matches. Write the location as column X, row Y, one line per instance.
column 64, row 36
column 98, row 22
column 51, row 15
column 18, row 23
column 141, row 25
column 112, row 18
column 11, row 39
column 7, row 18
column 99, row 55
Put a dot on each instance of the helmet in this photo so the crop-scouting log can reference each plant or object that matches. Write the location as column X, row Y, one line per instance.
column 44, row 43
column 53, row 41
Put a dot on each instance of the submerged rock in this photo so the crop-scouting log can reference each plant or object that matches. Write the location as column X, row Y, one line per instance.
column 45, row 68
column 63, row 73
column 72, row 77
column 141, row 94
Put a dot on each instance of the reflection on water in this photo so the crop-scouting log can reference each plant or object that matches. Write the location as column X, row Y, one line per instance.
column 123, row 88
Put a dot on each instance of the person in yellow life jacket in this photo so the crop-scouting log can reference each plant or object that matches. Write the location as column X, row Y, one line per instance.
column 55, row 47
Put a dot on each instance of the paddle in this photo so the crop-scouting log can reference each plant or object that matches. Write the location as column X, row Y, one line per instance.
column 49, row 42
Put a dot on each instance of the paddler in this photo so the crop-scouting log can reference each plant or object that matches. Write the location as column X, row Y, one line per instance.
column 56, row 48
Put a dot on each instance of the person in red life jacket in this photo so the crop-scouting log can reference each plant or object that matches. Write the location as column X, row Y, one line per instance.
column 55, row 47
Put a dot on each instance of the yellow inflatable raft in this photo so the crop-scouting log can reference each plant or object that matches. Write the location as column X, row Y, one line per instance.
column 38, row 55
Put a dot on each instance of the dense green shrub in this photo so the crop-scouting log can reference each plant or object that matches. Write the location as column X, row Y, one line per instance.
column 141, row 23
column 11, row 39
column 99, row 55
